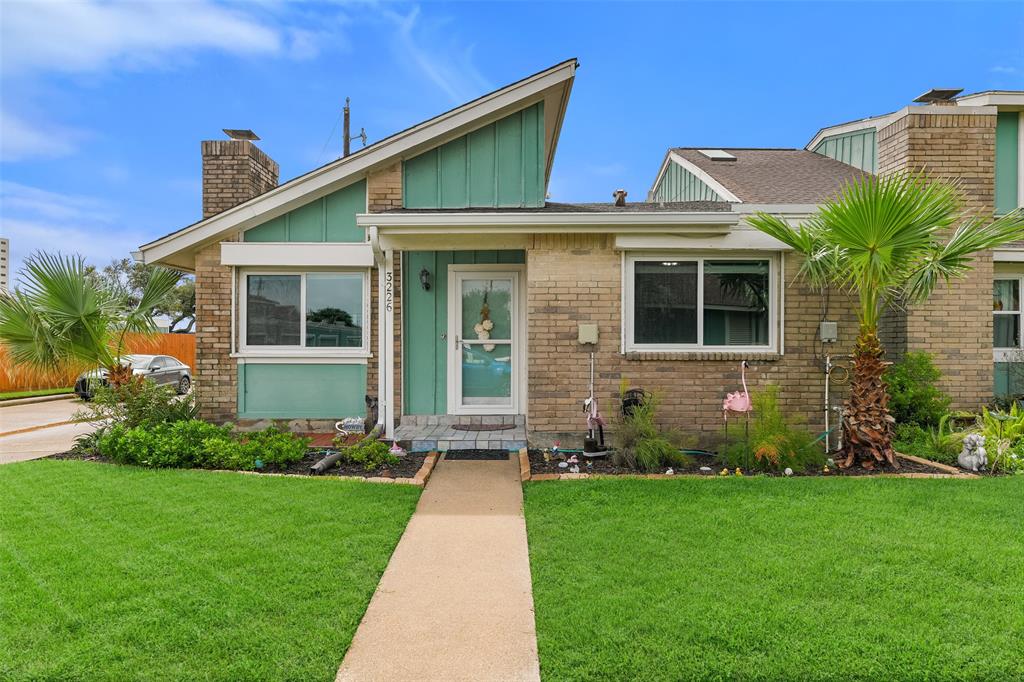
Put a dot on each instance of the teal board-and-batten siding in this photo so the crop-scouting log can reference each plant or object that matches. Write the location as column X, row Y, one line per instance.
column 501, row 165
column 679, row 184
column 331, row 218
column 295, row 391
column 425, row 322
column 858, row 149
column 1008, row 134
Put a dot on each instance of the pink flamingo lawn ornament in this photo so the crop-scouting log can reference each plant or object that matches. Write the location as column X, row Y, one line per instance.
column 738, row 401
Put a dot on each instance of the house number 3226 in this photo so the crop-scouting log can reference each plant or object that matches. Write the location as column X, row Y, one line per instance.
column 389, row 285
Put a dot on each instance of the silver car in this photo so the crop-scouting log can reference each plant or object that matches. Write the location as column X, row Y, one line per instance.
column 161, row 369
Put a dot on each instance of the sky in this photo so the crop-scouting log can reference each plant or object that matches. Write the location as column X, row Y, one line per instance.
column 103, row 104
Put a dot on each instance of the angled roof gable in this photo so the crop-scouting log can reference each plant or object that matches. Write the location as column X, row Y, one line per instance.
column 552, row 86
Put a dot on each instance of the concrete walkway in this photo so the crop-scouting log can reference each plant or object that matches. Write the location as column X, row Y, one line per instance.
column 455, row 602
column 51, row 431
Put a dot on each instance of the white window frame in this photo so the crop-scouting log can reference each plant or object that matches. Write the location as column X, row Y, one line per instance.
column 245, row 349
column 774, row 300
column 1007, row 353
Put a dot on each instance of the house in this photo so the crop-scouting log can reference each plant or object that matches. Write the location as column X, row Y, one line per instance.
column 429, row 272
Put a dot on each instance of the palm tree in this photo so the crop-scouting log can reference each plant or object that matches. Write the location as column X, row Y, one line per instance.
column 61, row 319
column 885, row 240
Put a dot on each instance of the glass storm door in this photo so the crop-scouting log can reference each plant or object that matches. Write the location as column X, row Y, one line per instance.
column 483, row 341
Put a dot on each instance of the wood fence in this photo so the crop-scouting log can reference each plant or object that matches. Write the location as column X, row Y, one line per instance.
column 180, row 346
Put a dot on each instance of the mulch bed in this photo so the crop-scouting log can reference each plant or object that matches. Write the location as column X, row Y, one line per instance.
column 606, row 466
column 406, row 467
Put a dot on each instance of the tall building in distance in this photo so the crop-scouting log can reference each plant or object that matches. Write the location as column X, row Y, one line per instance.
column 5, row 264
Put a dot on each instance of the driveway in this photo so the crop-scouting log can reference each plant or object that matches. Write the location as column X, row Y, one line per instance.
column 38, row 429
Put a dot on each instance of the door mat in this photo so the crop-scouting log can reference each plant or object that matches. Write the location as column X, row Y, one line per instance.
column 489, row 455
column 483, row 427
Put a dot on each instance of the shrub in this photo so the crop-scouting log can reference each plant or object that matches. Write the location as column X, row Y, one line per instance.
column 275, row 447
column 914, row 397
column 773, row 443
column 372, row 454
column 138, row 403
column 940, row 444
column 641, row 445
column 198, row 444
column 1004, row 438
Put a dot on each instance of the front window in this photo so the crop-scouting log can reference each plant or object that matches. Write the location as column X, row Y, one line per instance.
column 321, row 310
column 683, row 303
column 1006, row 313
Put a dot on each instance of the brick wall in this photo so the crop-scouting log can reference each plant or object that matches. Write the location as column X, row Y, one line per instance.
column 955, row 325
column 578, row 278
column 233, row 171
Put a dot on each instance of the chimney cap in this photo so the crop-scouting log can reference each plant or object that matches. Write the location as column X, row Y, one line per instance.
column 939, row 95
column 241, row 134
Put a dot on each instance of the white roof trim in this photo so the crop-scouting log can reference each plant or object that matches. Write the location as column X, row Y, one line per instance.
column 879, row 122
column 1008, row 255
column 311, row 254
column 996, row 98
column 328, row 178
column 706, row 177
column 875, row 122
column 446, row 223
column 737, row 240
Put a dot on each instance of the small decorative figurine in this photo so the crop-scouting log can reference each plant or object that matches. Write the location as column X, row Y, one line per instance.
column 973, row 457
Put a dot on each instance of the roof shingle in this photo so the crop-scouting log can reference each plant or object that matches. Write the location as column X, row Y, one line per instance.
column 776, row 176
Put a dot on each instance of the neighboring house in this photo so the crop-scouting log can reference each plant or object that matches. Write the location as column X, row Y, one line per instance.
column 428, row 271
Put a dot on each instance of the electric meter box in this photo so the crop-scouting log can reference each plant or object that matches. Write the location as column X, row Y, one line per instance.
column 828, row 332
column 588, row 333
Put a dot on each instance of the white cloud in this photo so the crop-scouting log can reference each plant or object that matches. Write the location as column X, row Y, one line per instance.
column 1008, row 70
column 85, row 36
column 448, row 66
column 21, row 138
column 40, row 220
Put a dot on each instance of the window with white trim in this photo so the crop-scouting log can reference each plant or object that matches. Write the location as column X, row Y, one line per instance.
column 1006, row 312
column 682, row 302
column 311, row 312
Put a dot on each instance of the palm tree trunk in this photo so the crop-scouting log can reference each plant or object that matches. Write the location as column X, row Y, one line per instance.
column 868, row 426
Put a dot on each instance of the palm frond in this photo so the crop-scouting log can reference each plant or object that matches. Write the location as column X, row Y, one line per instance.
column 944, row 262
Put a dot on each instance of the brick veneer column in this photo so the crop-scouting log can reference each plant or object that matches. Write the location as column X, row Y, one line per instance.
column 384, row 192
column 233, row 171
column 955, row 325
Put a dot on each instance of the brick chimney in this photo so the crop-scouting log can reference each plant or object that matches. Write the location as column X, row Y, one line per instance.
column 234, row 171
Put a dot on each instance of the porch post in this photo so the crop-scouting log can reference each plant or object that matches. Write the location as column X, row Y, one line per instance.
column 387, row 361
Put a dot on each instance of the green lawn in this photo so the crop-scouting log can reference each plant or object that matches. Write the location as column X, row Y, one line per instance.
column 778, row 579
column 118, row 573
column 11, row 395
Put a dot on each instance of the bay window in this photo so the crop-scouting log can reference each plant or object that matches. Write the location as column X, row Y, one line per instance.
column 679, row 302
column 310, row 312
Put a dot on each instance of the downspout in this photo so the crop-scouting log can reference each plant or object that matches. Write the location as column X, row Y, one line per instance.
column 385, row 417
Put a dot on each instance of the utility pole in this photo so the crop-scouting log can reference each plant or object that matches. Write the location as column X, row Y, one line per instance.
column 346, row 145
column 345, row 132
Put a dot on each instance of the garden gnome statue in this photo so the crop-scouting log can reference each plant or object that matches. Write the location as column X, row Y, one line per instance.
column 973, row 457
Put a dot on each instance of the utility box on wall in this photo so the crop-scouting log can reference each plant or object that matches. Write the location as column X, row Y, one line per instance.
column 828, row 332
column 588, row 333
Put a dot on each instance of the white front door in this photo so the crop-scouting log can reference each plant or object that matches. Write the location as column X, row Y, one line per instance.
column 484, row 354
